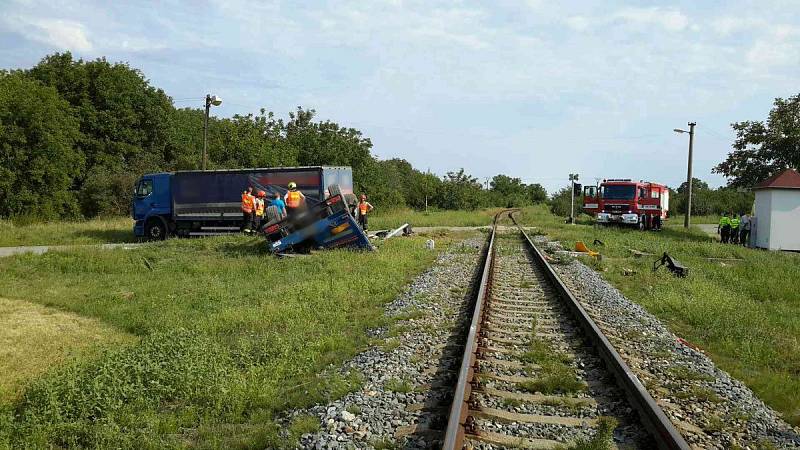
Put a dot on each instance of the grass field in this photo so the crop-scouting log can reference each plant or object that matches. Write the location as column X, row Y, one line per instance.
column 34, row 338
column 395, row 218
column 96, row 231
column 224, row 337
column 745, row 312
column 120, row 229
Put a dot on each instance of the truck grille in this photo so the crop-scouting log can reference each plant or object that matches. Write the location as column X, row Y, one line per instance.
column 616, row 209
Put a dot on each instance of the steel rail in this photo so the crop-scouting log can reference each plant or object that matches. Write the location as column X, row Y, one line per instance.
column 459, row 410
column 651, row 415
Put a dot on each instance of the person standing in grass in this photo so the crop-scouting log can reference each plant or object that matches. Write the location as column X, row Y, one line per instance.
column 258, row 210
column 248, row 205
column 364, row 208
column 724, row 228
column 744, row 229
column 734, row 228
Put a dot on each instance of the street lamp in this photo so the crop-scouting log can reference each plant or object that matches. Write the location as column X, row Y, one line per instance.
column 686, row 219
column 215, row 101
column 573, row 177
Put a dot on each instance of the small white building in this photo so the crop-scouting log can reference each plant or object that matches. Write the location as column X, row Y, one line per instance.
column 777, row 225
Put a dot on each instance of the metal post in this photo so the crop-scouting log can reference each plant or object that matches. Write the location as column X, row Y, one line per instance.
column 687, row 218
column 205, row 131
column 427, row 186
column 572, row 202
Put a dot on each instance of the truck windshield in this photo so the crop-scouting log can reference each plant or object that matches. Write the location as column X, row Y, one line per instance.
column 618, row 192
column 144, row 188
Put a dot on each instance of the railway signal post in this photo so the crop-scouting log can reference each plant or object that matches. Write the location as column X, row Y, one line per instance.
column 573, row 177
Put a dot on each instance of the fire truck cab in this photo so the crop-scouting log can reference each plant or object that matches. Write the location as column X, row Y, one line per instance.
column 621, row 201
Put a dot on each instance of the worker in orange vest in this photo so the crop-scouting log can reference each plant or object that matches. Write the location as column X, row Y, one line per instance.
column 364, row 208
column 248, row 205
column 259, row 209
column 294, row 199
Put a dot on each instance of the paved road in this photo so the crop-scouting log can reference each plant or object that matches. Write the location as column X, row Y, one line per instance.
column 40, row 249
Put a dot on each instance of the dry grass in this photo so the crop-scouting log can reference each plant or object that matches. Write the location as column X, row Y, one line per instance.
column 34, row 338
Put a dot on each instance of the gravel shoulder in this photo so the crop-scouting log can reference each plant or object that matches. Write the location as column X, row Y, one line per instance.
column 711, row 409
column 407, row 379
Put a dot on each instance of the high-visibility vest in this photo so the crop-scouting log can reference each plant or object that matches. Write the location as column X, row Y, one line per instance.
column 724, row 221
column 363, row 208
column 293, row 199
column 735, row 223
column 259, row 207
column 247, row 202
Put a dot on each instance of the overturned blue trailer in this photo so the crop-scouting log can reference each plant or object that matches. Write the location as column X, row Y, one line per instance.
column 327, row 224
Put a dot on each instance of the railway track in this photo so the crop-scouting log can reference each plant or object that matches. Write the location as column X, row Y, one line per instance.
column 536, row 371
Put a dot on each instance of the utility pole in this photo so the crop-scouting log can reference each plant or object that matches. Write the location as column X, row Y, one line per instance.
column 687, row 218
column 215, row 101
column 573, row 177
column 205, row 131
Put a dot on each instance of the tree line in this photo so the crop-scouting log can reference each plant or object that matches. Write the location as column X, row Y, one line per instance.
column 75, row 135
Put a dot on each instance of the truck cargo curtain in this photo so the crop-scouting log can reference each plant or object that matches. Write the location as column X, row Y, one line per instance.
column 227, row 187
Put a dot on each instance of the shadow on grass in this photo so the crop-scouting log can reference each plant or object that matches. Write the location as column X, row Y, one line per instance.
column 108, row 236
column 249, row 247
column 682, row 235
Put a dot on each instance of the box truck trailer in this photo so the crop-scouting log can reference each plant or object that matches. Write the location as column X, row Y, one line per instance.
column 200, row 203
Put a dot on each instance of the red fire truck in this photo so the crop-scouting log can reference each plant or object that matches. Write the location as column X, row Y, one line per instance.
column 621, row 201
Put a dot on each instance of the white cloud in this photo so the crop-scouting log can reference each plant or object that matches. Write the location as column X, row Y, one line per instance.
column 728, row 25
column 779, row 47
column 578, row 23
column 59, row 33
column 668, row 19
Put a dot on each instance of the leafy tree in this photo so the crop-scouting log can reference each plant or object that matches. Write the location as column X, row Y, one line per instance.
column 460, row 190
column 537, row 193
column 707, row 201
column 38, row 159
column 761, row 149
column 697, row 185
column 123, row 121
column 561, row 201
column 326, row 142
column 512, row 192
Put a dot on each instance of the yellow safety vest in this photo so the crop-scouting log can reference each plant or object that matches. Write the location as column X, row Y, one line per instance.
column 247, row 202
column 293, row 199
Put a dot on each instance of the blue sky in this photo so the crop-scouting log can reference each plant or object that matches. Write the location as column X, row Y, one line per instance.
column 534, row 89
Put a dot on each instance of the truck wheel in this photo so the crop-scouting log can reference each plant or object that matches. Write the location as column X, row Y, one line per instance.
column 155, row 230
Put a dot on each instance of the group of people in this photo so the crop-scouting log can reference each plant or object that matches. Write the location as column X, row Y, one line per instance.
column 255, row 207
column 734, row 229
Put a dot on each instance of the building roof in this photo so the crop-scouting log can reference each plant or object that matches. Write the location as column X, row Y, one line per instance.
column 786, row 179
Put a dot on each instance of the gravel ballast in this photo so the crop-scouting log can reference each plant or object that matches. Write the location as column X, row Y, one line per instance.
column 409, row 377
column 710, row 408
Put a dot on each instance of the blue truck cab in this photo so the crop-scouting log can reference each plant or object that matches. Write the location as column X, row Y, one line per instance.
column 208, row 202
column 152, row 205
